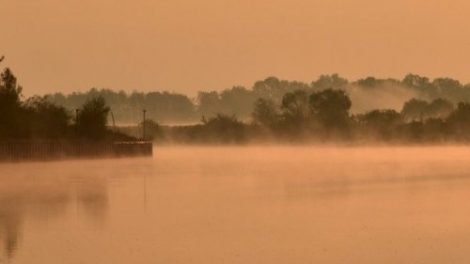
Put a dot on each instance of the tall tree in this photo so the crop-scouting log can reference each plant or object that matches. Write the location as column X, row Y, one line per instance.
column 11, row 114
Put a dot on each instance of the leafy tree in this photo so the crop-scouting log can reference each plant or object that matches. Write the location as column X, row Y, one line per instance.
column 10, row 91
column 414, row 80
column 92, row 119
column 447, row 88
column 47, row 120
column 420, row 84
column 331, row 107
column 237, row 101
column 440, row 108
column 127, row 108
column 381, row 123
column 275, row 89
column 295, row 108
column 265, row 113
column 223, row 128
column 11, row 113
column 209, row 103
column 459, row 121
column 415, row 109
column 333, row 81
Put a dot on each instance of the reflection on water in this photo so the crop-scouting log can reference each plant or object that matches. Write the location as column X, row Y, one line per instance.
column 27, row 193
column 241, row 205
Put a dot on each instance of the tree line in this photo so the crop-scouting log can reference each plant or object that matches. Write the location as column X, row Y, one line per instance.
column 37, row 118
column 325, row 116
column 282, row 110
column 174, row 108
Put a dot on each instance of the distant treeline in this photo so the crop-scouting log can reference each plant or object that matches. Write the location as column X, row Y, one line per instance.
column 173, row 108
column 324, row 116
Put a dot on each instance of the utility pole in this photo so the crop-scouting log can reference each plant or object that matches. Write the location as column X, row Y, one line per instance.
column 143, row 125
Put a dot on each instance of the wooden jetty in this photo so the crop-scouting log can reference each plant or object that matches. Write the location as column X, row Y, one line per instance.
column 49, row 150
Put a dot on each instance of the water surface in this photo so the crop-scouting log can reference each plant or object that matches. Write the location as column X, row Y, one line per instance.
column 241, row 205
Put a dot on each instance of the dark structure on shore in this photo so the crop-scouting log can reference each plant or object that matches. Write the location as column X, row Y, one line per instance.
column 51, row 150
column 35, row 129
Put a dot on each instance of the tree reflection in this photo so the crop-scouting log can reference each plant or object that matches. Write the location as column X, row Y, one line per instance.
column 22, row 199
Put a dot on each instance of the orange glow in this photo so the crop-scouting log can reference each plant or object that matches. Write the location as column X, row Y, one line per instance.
column 186, row 46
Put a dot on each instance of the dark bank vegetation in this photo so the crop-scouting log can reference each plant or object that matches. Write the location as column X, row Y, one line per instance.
column 38, row 119
column 274, row 110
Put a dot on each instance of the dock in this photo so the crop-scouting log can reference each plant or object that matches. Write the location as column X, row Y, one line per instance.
column 51, row 150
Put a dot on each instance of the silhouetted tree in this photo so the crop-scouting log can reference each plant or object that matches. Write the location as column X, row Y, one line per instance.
column 92, row 119
column 237, row 101
column 447, row 88
column 11, row 113
column 274, row 89
column 459, row 121
column 209, row 103
column 295, row 109
column 440, row 108
column 265, row 113
column 331, row 107
column 333, row 81
column 419, row 110
column 380, row 124
column 223, row 129
column 10, row 91
column 415, row 109
column 420, row 84
column 46, row 119
column 127, row 108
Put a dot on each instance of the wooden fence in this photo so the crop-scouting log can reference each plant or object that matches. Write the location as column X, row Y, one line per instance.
column 45, row 150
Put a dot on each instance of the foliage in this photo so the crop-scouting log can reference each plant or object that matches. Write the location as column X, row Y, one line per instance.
column 265, row 113
column 380, row 124
column 331, row 107
column 92, row 119
column 419, row 110
column 284, row 110
column 173, row 108
column 47, row 120
column 295, row 108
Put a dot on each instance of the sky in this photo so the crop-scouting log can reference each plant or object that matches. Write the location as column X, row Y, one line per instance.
column 188, row 46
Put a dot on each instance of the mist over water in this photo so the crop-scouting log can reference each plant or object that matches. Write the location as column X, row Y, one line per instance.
column 257, row 204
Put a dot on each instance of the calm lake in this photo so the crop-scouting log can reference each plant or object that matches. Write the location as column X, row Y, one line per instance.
column 241, row 205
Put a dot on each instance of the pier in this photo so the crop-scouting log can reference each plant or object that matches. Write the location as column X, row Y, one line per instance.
column 51, row 150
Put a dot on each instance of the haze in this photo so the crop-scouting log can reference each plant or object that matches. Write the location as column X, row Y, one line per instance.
column 186, row 46
column 276, row 204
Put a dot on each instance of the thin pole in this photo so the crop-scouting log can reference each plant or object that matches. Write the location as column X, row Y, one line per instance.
column 114, row 122
column 143, row 125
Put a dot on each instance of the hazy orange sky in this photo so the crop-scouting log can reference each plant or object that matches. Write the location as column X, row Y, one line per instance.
column 186, row 46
